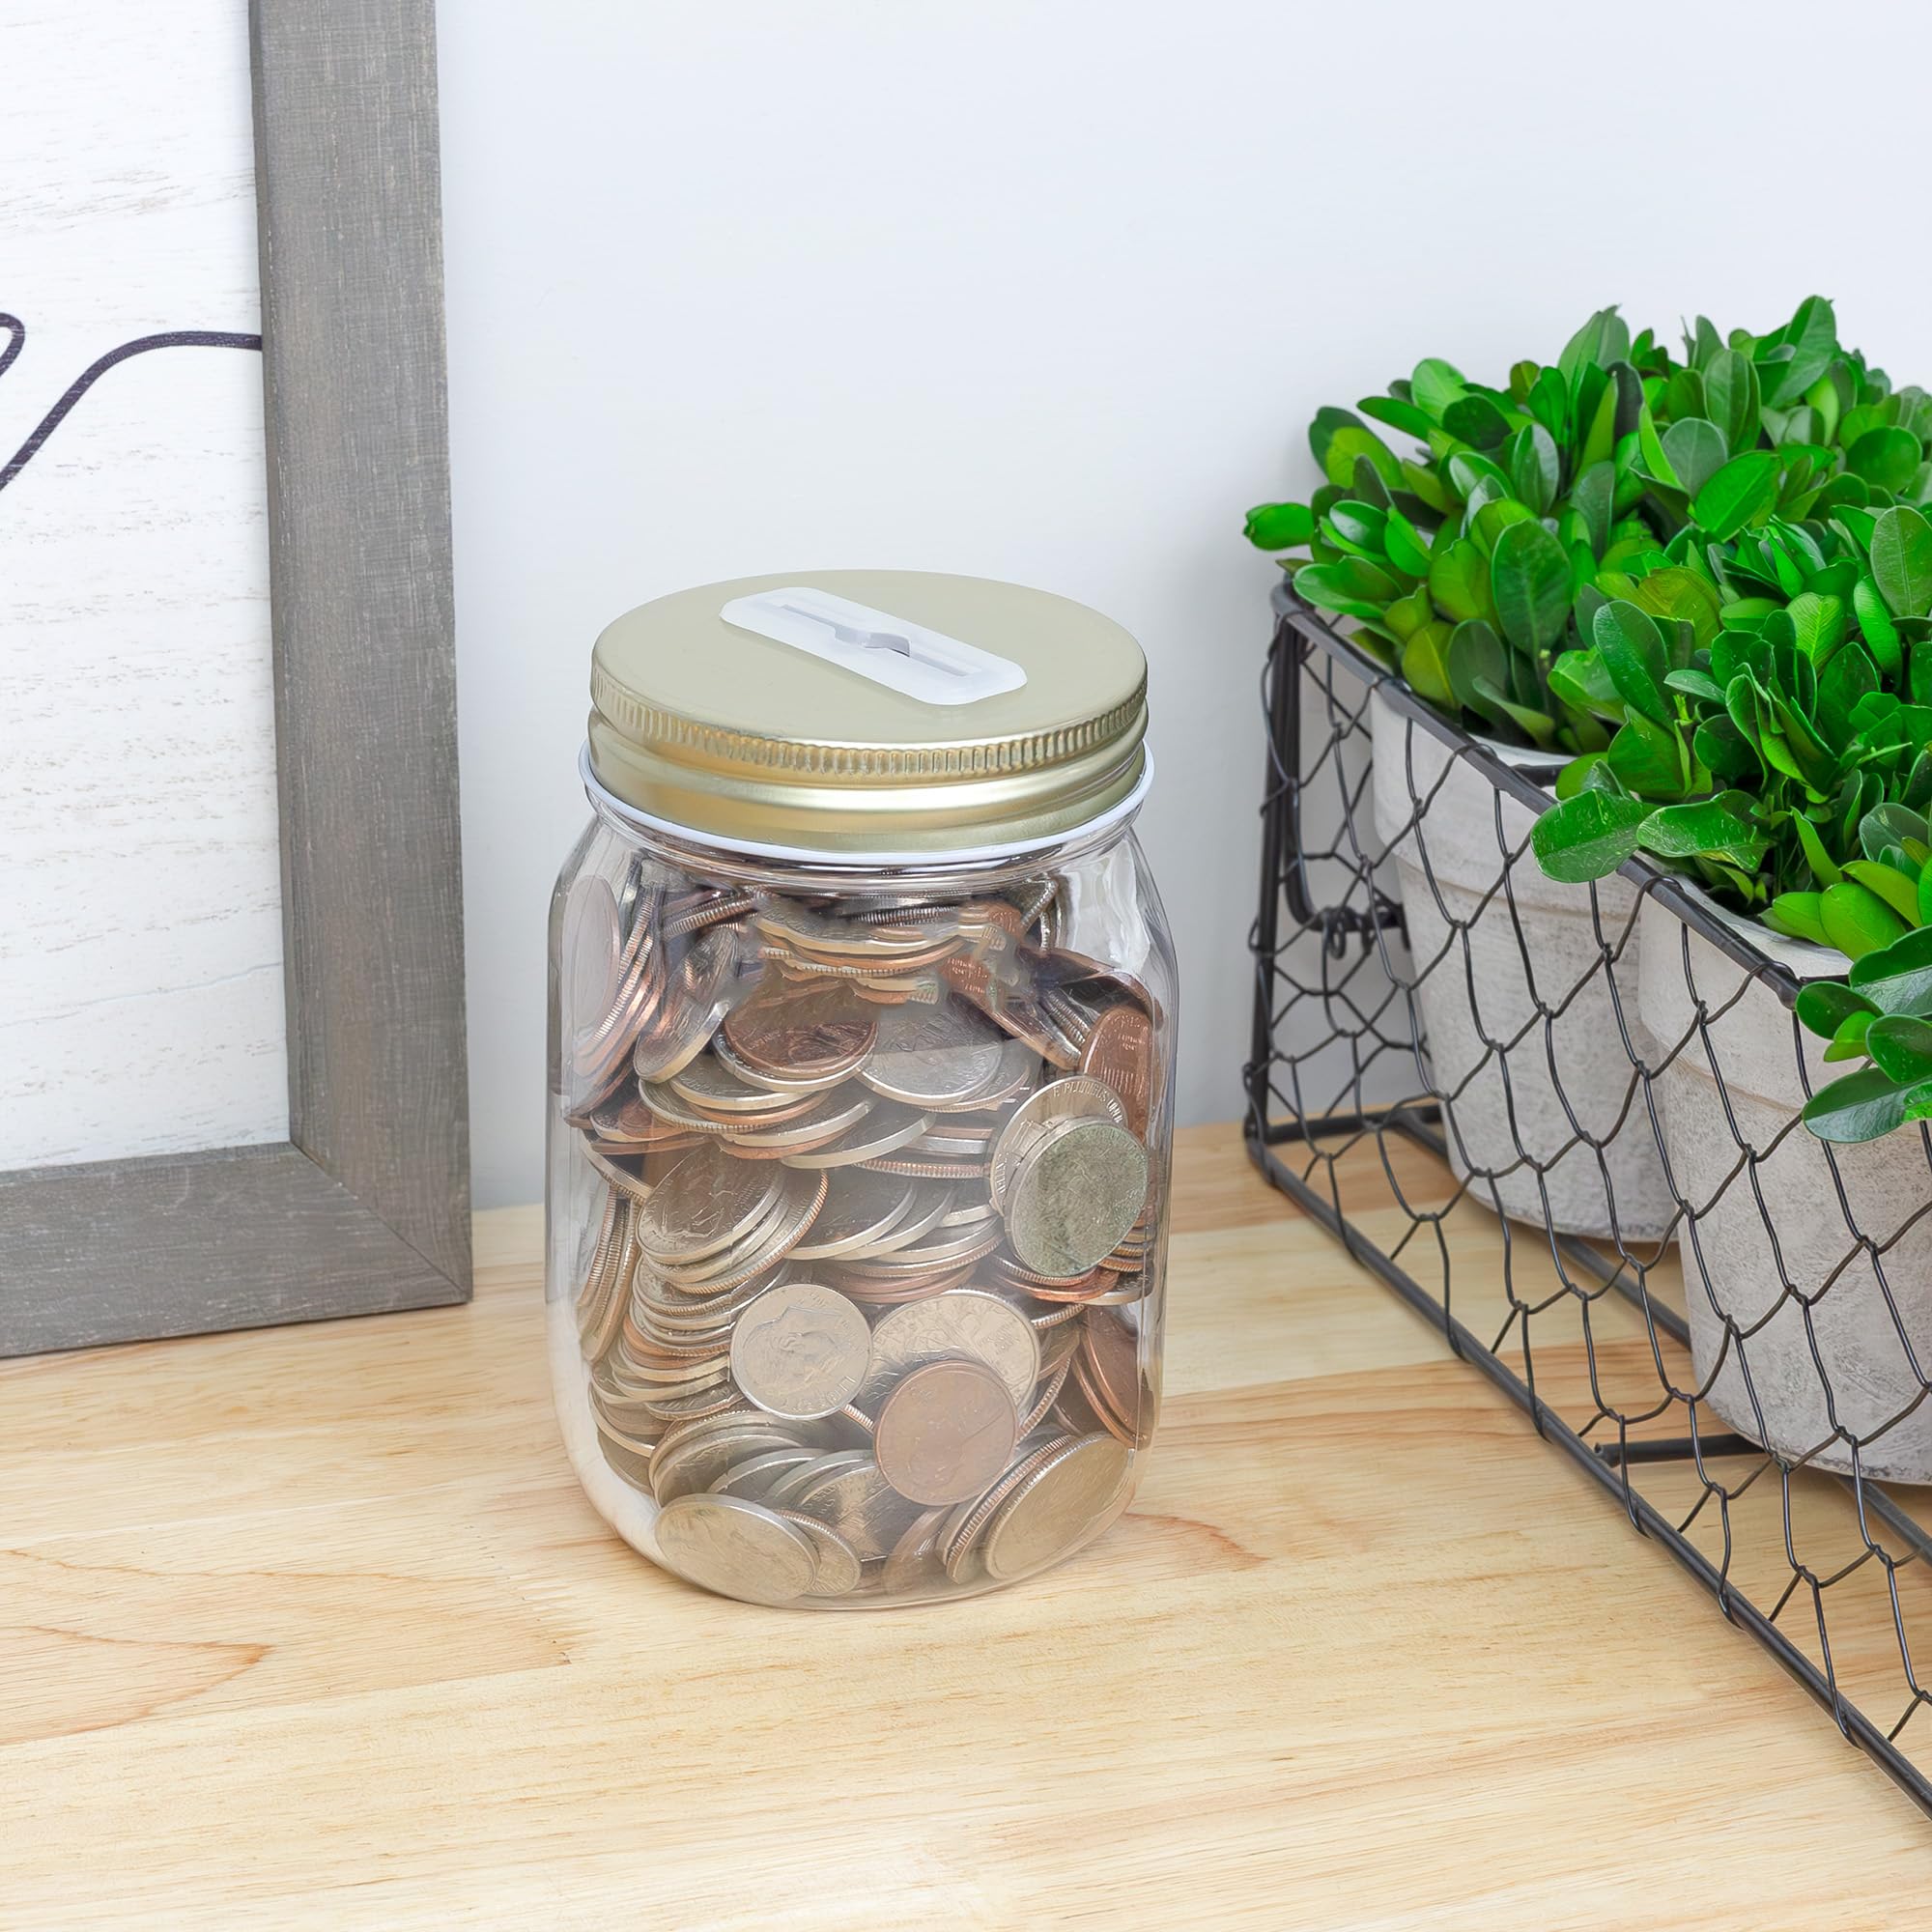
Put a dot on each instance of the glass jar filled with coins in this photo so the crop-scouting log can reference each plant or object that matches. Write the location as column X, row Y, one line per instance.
column 860, row 1052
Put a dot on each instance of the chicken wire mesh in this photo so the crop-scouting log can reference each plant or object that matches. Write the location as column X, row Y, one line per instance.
column 1562, row 1121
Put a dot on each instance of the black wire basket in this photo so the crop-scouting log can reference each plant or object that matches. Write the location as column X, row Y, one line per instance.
column 1562, row 1122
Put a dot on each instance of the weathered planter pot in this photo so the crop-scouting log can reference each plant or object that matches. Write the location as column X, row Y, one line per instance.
column 1730, row 1265
column 1539, row 941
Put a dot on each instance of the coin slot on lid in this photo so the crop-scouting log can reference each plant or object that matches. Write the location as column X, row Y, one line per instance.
column 905, row 657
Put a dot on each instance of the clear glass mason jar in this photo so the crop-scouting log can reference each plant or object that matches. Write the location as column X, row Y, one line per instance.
column 860, row 1073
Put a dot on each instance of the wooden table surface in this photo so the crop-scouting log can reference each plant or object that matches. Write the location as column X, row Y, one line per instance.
column 313, row 1627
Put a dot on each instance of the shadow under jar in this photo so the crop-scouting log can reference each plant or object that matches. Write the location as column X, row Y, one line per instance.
column 861, row 1070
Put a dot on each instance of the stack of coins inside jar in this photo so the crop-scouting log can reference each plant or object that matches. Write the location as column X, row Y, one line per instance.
column 875, row 1250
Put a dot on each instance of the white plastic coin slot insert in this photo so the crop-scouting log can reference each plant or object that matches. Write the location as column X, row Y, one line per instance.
column 902, row 655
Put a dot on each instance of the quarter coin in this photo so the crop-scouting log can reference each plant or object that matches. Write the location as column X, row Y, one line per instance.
column 934, row 1057
column 963, row 1321
column 801, row 1350
column 737, row 1546
column 1055, row 1507
column 1073, row 1194
column 705, row 1203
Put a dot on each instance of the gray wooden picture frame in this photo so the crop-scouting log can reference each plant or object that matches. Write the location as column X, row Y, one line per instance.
column 366, row 1205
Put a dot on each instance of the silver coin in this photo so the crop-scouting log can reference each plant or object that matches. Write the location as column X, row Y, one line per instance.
column 705, row 1203
column 959, row 1321
column 737, row 1548
column 801, row 1350
column 1056, row 1508
column 934, row 1057
column 1076, row 1097
column 840, row 1569
column 887, row 1126
column 1073, row 1194
column 862, row 1506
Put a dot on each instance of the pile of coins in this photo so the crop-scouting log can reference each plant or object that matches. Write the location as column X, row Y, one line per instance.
column 870, row 1304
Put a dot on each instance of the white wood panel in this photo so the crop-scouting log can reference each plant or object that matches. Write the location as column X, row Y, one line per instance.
column 141, row 1006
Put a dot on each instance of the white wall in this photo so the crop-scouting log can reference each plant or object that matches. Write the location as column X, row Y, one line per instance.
column 1048, row 292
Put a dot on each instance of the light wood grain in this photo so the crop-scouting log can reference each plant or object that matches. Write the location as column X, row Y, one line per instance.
column 313, row 1627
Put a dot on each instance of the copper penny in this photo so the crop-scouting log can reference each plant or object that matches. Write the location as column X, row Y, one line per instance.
column 1120, row 1050
column 815, row 1033
column 946, row 1432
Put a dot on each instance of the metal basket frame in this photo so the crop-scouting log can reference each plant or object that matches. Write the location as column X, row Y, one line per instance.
column 1329, row 933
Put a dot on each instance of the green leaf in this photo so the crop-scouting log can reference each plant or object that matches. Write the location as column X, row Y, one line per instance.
column 1351, row 441
column 1812, row 336
column 1887, row 883
column 1848, row 1042
column 1880, row 634
column 1434, row 385
column 1645, row 756
column 1632, row 648
column 1901, row 1047
column 1742, row 492
column 1459, row 580
column 1857, row 921
column 1731, row 399
column 1720, row 827
column 1603, row 340
column 1279, row 526
column 1424, row 669
column 1824, row 1006
column 1355, row 528
column 1351, row 586
column 1529, row 578
column 1475, row 652
column 1697, row 451
column 1796, row 915
column 1887, row 458
column 1536, row 469
column 1587, row 836
column 1898, row 978
column 1474, row 419
column 1580, row 680
column 1863, row 1107
column 1592, row 496
column 1405, row 545
column 1901, row 561
column 1538, row 727
column 1823, row 870
column 1397, row 414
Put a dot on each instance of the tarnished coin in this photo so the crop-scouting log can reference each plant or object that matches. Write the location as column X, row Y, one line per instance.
column 703, row 1203
column 1120, row 1050
column 934, row 1057
column 963, row 1321
column 1055, row 1507
column 945, row 1432
column 737, row 1546
column 801, row 1350
column 1073, row 1194
column 1077, row 1097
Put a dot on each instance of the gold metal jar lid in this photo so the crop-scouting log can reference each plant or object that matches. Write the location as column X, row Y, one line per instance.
column 869, row 712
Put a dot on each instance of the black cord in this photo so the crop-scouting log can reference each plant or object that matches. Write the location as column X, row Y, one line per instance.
column 178, row 338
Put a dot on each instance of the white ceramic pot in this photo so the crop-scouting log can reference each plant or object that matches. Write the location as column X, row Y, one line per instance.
column 1488, row 959
column 1733, row 1268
